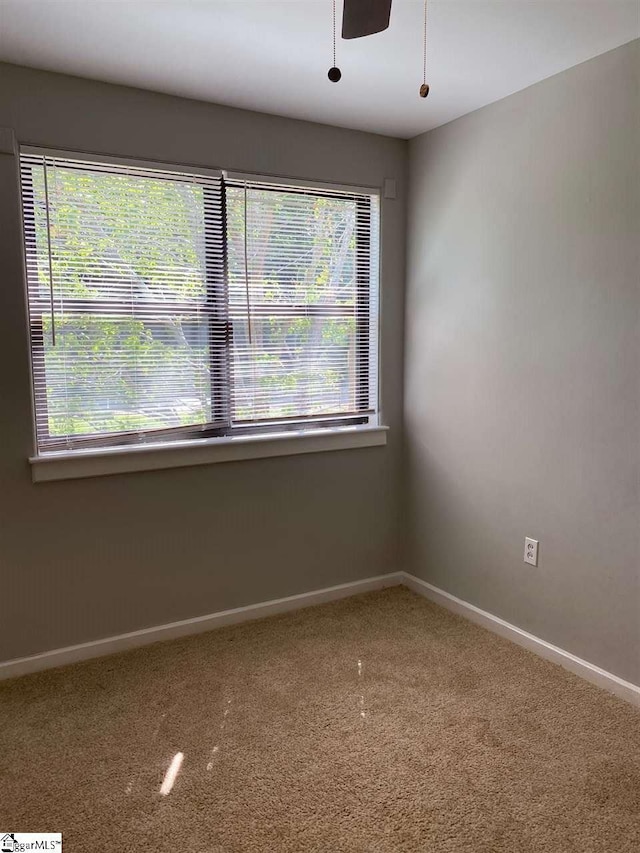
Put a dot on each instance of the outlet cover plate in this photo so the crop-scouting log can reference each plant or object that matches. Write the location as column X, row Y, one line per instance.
column 531, row 551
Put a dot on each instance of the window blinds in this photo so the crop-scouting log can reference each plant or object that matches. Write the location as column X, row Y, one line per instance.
column 303, row 302
column 165, row 304
column 125, row 273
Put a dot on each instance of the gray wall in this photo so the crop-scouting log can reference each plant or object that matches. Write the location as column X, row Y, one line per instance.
column 523, row 356
column 85, row 559
column 522, row 381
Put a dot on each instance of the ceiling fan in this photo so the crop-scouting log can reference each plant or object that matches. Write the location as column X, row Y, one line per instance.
column 364, row 18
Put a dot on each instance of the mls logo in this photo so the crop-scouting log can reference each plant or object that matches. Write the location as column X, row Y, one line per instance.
column 14, row 842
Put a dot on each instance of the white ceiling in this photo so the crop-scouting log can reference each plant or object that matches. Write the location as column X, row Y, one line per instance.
column 273, row 55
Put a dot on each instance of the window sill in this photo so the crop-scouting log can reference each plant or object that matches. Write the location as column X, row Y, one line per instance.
column 72, row 465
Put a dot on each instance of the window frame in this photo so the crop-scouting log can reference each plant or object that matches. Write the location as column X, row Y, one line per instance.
column 362, row 317
column 367, row 417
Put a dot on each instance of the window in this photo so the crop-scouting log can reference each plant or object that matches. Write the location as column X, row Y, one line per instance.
column 175, row 304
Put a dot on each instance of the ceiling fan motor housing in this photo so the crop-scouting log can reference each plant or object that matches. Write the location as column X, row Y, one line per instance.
column 365, row 17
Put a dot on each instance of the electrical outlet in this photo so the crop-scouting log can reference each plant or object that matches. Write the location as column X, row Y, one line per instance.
column 531, row 551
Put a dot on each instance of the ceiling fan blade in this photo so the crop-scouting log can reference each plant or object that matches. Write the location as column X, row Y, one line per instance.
column 365, row 17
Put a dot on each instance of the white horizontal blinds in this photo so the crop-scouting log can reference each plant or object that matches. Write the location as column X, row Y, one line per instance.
column 303, row 301
column 127, row 301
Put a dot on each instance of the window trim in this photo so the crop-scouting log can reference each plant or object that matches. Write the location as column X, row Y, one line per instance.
column 298, row 183
column 177, row 169
column 205, row 444
column 97, row 462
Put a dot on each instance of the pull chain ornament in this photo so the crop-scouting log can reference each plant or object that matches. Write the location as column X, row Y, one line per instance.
column 424, row 89
column 334, row 72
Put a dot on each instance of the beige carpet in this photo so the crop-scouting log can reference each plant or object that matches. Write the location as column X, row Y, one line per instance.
column 379, row 723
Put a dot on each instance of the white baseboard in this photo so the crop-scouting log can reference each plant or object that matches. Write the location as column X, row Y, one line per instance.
column 198, row 625
column 588, row 671
column 201, row 624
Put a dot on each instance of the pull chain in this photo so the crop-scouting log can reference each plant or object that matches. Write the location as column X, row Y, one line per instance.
column 246, row 269
column 424, row 89
column 334, row 72
column 334, row 33
column 47, row 212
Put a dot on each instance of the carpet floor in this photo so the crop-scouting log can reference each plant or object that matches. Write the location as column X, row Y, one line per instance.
column 380, row 723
